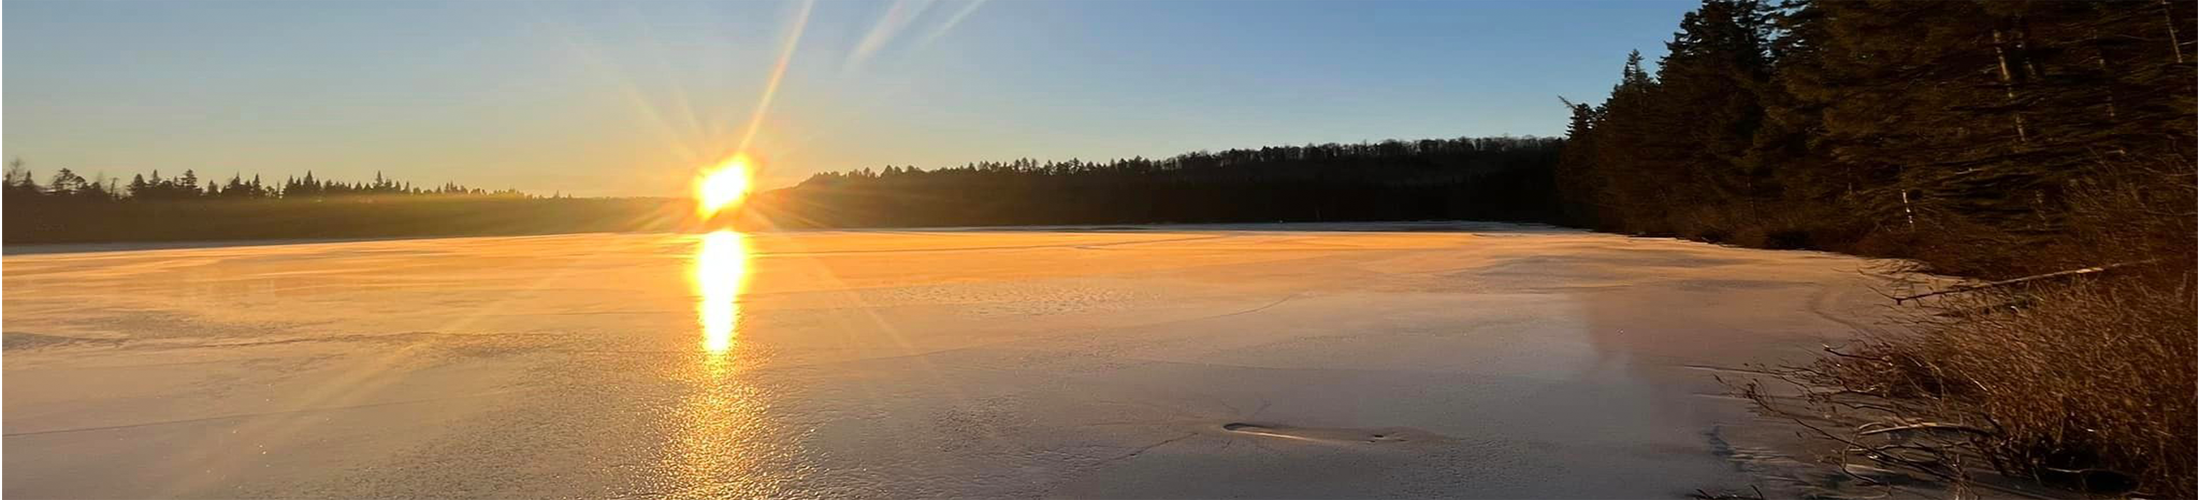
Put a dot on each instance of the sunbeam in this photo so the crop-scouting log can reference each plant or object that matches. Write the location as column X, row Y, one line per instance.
column 949, row 25
column 779, row 72
column 897, row 17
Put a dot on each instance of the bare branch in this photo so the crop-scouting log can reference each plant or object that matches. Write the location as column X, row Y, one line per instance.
column 1925, row 425
column 2026, row 279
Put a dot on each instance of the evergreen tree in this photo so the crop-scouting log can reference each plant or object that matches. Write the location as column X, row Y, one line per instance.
column 138, row 187
column 187, row 186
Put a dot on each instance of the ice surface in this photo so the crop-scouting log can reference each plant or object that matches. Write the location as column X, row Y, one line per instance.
column 1456, row 360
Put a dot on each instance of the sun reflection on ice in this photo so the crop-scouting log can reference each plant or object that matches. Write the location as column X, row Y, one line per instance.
column 721, row 274
column 724, row 444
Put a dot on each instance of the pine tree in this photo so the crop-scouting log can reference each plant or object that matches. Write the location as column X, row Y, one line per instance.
column 187, row 186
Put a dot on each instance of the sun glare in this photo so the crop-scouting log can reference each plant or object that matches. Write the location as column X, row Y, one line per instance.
column 723, row 186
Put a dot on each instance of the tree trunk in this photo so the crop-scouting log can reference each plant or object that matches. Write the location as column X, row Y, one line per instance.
column 2169, row 21
column 2008, row 85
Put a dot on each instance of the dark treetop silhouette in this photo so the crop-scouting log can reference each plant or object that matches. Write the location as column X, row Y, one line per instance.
column 72, row 208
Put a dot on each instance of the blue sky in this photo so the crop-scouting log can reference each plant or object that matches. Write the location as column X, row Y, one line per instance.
column 630, row 98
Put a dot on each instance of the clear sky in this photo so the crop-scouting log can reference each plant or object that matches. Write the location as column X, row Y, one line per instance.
column 629, row 98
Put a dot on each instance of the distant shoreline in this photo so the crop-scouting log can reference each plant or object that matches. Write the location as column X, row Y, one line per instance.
column 198, row 223
column 14, row 249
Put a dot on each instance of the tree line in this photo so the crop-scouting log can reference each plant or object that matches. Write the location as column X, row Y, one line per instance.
column 2043, row 144
column 22, row 186
column 71, row 208
column 1968, row 134
column 1490, row 178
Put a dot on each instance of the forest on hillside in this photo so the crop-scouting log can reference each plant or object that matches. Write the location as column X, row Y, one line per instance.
column 2045, row 147
column 1491, row 178
column 1927, row 130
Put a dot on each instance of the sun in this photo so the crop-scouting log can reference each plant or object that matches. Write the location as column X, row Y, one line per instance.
column 723, row 186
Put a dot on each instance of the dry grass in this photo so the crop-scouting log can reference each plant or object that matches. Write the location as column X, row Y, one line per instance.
column 2085, row 382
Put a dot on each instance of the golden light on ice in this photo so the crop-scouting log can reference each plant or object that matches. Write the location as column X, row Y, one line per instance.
column 725, row 445
column 723, row 186
column 720, row 275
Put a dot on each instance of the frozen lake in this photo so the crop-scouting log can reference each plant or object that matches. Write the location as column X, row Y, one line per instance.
column 1461, row 360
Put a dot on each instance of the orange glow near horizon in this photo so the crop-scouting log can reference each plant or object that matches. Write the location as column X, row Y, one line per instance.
column 723, row 186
